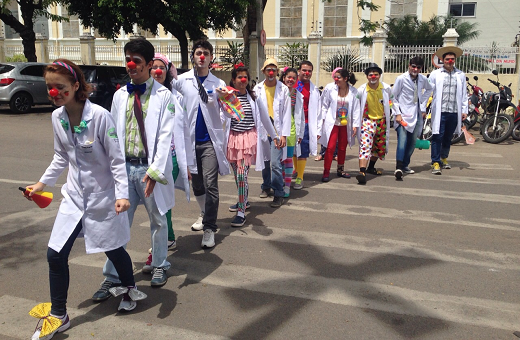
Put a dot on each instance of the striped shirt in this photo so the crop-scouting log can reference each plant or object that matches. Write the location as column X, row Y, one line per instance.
column 449, row 92
column 133, row 144
column 248, row 122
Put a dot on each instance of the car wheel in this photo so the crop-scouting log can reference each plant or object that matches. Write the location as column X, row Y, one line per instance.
column 21, row 102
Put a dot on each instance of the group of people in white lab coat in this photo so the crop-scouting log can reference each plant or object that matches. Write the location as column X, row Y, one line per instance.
column 165, row 129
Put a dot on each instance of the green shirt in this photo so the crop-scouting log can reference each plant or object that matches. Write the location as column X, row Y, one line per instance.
column 133, row 144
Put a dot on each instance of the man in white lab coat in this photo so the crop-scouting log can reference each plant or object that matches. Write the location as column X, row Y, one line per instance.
column 143, row 111
column 206, row 142
column 411, row 91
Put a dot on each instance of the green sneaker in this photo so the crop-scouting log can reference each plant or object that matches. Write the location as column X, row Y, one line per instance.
column 298, row 184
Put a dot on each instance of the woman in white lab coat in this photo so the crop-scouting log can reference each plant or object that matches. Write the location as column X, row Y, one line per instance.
column 95, row 196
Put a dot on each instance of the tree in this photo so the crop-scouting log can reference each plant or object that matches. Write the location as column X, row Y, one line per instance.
column 293, row 54
column 30, row 10
column 410, row 31
column 181, row 18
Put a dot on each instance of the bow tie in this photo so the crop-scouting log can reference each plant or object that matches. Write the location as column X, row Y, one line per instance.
column 132, row 87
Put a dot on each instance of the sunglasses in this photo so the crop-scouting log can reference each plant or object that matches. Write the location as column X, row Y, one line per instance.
column 449, row 59
column 416, row 66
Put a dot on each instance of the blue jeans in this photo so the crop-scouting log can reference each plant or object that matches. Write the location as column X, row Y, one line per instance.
column 158, row 223
column 272, row 172
column 406, row 144
column 441, row 142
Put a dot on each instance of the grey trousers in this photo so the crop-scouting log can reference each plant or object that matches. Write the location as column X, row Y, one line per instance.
column 206, row 182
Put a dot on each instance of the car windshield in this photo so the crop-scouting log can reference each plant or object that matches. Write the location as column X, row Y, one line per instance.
column 90, row 74
column 5, row 68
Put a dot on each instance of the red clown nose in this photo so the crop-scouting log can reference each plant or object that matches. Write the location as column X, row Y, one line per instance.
column 158, row 72
column 131, row 65
column 244, row 80
column 202, row 58
column 373, row 76
column 271, row 73
column 53, row 92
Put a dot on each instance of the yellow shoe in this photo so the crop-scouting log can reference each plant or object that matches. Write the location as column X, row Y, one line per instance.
column 436, row 169
column 445, row 164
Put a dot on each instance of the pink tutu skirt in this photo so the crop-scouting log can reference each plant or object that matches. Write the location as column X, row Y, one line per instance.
column 242, row 145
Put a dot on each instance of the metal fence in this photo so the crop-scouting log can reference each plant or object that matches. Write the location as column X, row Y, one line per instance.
column 72, row 53
column 10, row 51
column 473, row 60
column 354, row 59
column 287, row 56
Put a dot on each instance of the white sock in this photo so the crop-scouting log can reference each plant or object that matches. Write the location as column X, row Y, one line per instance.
column 61, row 317
column 241, row 214
column 201, row 200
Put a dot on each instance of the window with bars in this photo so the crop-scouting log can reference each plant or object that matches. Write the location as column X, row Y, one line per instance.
column 335, row 18
column 400, row 8
column 466, row 9
column 291, row 18
column 71, row 29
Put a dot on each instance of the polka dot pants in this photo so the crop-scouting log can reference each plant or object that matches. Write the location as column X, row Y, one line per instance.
column 373, row 138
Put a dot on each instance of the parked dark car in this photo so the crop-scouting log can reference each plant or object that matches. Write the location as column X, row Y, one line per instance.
column 105, row 80
column 22, row 85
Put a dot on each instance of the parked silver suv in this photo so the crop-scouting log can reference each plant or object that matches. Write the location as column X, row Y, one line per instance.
column 22, row 85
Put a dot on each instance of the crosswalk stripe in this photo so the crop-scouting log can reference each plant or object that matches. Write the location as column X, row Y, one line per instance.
column 28, row 218
column 17, row 323
column 465, row 310
column 488, row 260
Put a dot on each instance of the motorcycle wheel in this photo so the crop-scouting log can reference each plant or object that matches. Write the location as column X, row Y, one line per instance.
column 501, row 131
column 516, row 131
column 472, row 118
column 457, row 138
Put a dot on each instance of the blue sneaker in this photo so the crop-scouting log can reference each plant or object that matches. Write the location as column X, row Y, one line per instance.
column 234, row 207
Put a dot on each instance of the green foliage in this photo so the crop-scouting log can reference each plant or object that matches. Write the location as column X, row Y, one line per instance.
column 16, row 58
column 410, row 31
column 366, row 26
column 345, row 58
column 293, row 54
column 234, row 54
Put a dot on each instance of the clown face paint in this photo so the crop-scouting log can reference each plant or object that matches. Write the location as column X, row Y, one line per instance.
column 373, row 78
column 141, row 71
column 271, row 72
column 59, row 88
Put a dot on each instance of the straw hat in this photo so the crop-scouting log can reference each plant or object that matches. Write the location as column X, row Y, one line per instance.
column 270, row 61
column 453, row 49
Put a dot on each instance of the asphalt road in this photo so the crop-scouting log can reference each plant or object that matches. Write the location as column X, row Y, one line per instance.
column 431, row 257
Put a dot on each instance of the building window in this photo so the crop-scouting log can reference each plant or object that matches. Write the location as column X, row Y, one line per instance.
column 291, row 18
column 400, row 8
column 335, row 18
column 71, row 29
column 466, row 9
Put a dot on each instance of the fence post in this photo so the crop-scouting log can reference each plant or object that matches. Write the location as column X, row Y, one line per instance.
column 315, row 39
column 42, row 48
column 379, row 47
column 87, row 44
column 254, row 65
column 450, row 37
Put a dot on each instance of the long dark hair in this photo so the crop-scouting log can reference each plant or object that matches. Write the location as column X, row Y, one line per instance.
column 234, row 74
column 350, row 76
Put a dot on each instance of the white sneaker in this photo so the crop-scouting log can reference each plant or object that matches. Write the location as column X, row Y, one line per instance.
column 64, row 326
column 407, row 170
column 197, row 226
column 208, row 239
column 172, row 245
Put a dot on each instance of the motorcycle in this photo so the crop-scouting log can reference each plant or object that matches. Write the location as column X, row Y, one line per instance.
column 516, row 128
column 495, row 124
column 427, row 126
column 474, row 103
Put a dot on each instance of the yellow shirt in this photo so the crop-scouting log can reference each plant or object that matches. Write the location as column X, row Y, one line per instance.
column 375, row 102
column 269, row 93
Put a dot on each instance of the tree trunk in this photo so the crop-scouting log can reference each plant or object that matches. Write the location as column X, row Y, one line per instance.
column 26, row 33
column 183, row 43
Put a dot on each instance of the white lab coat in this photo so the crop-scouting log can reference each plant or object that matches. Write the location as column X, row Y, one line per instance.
column 216, row 121
column 158, row 125
column 299, row 120
column 329, row 106
column 313, row 117
column 281, row 114
column 387, row 96
column 96, row 178
column 403, row 92
column 436, row 80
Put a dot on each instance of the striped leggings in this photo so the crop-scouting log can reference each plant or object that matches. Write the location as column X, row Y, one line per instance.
column 240, row 171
